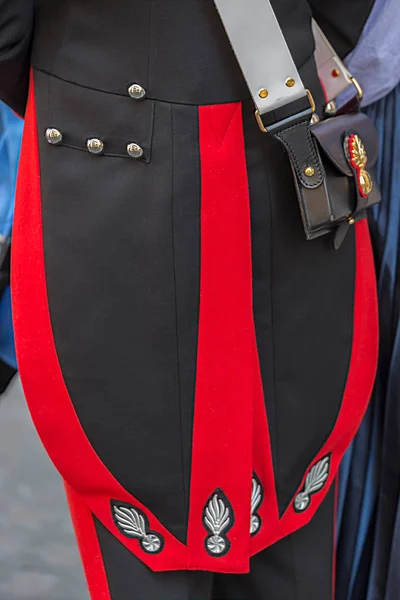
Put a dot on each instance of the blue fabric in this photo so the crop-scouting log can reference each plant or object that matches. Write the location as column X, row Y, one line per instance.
column 368, row 560
column 7, row 346
column 10, row 139
column 344, row 479
column 375, row 62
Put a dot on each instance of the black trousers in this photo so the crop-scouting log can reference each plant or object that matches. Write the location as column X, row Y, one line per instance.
column 299, row 567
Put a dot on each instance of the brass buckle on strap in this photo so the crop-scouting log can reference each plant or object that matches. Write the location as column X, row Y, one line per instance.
column 259, row 117
column 357, row 86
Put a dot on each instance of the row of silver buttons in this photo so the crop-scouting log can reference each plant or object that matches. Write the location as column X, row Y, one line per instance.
column 96, row 146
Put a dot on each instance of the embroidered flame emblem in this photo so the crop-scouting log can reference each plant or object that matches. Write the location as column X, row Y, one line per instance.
column 358, row 160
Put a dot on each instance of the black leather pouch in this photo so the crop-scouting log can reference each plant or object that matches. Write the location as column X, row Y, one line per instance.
column 333, row 163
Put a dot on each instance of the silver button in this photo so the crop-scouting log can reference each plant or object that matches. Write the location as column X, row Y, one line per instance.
column 136, row 91
column 95, row 146
column 53, row 136
column 134, row 150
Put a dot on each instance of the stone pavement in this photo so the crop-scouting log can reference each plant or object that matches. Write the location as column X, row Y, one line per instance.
column 38, row 556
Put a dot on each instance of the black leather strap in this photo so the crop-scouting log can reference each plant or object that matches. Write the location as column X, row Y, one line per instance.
column 303, row 153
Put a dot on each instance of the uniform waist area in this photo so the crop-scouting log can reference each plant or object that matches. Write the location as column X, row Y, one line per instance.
column 176, row 50
column 183, row 92
column 125, row 121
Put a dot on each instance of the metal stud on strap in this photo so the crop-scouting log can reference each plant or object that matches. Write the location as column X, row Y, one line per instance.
column 331, row 71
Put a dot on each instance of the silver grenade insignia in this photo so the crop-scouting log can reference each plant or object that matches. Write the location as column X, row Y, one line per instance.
column 133, row 523
column 314, row 482
column 256, row 499
column 218, row 518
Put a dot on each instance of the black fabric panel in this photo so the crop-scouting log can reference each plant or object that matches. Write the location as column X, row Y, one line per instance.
column 16, row 27
column 186, row 250
column 313, row 297
column 303, row 293
column 121, row 242
column 342, row 21
column 177, row 50
column 299, row 567
column 130, row 579
column 116, row 120
column 261, row 236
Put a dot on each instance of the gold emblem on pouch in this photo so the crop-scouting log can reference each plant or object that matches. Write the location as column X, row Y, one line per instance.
column 358, row 158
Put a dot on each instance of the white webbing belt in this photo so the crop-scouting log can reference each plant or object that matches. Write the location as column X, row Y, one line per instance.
column 265, row 60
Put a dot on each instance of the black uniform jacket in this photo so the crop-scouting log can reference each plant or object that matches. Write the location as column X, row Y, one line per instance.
column 194, row 367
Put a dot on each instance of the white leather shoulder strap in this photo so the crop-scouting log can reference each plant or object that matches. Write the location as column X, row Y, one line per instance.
column 334, row 76
column 262, row 52
column 265, row 60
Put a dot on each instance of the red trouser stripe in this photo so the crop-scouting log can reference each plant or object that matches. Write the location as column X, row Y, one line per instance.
column 89, row 547
column 223, row 423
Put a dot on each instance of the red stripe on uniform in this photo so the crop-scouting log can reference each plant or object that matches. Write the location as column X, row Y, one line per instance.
column 223, row 421
column 89, row 546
